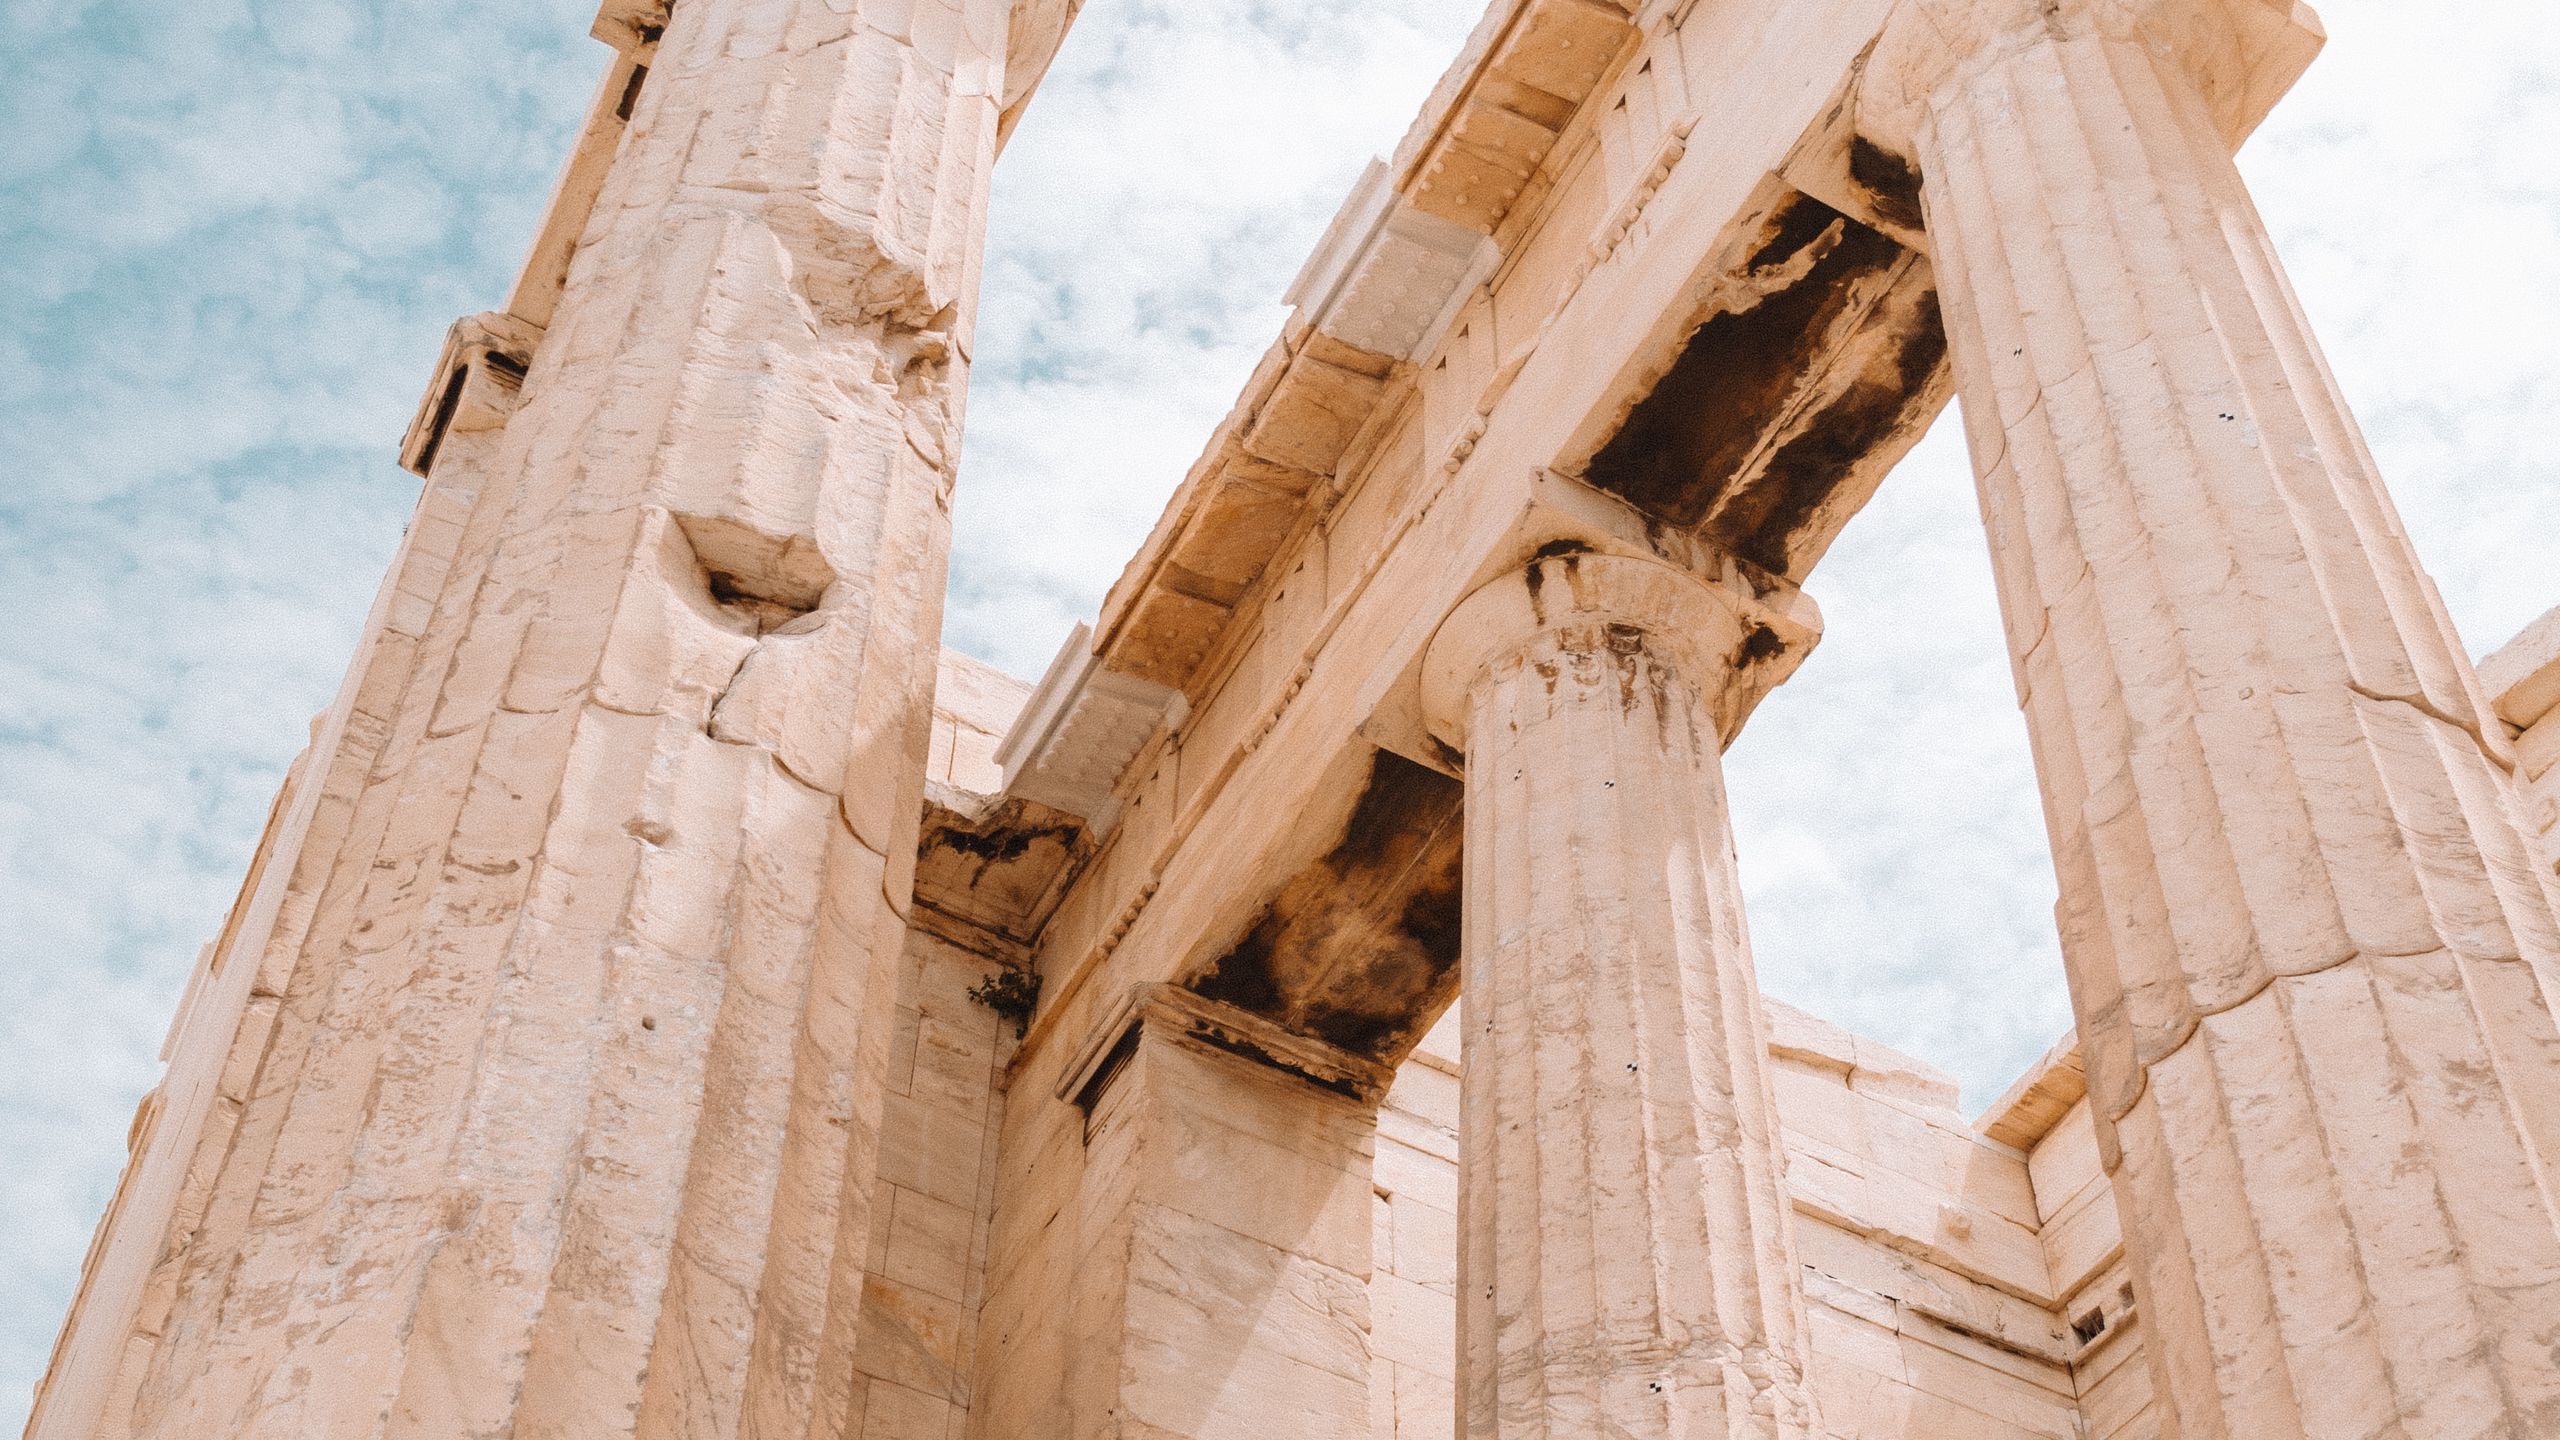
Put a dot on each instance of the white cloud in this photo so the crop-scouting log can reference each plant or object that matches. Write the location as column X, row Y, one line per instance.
column 235, row 230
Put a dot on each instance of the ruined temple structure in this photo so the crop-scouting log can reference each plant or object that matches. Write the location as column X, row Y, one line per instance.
column 677, row 998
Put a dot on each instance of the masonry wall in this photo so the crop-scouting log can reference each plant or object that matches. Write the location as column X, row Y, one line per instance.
column 1963, row 1281
column 1944, row 1269
column 923, row 1281
column 1941, row 1266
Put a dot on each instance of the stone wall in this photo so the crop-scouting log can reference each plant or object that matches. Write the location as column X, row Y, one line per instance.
column 924, row 1277
column 1944, row 1269
column 1962, row 1279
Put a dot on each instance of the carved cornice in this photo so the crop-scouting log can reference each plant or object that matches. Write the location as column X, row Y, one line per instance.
column 631, row 26
column 2523, row 678
column 1418, row 236
column 476, row 383
column 1078, row 732
column 1386, row 277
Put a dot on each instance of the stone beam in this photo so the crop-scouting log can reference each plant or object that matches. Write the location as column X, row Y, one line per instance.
column 1821, row 364
column 1360, row 948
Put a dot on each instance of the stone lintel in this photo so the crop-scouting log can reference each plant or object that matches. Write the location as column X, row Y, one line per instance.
column 2523, row 677
column 484, row 360
column 1183, row 1014
column 1543, row 367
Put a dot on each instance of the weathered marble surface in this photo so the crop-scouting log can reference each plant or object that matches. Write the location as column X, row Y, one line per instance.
column 606, row 1041
column 2313, row 953
column 1625, row 1266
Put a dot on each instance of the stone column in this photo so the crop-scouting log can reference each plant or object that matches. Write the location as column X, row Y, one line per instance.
column 1217, row 1288
column 2313, row 962
column 1625, row 1263
column 564, row 1122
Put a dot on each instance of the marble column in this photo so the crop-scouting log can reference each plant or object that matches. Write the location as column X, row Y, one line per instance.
column 2313, row 961
column 564, row 1119
column 1625, row 1262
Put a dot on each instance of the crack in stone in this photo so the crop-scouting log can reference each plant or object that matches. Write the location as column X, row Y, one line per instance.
column 2432, row 711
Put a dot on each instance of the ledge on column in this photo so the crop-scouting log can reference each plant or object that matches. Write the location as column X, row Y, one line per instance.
column 2523, row 677
column 484, row 360
column 1221, row 1027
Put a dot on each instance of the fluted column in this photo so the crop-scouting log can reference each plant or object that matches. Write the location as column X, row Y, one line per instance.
column 2313, row 963
column 564, row 1121
column 1625, row 1263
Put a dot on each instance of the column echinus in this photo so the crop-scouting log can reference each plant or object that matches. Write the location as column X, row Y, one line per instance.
column 2313, row 963
column 567, row 1123
column 1625, row 1262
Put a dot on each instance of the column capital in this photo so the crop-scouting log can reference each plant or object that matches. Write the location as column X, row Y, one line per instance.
column 2242, row 55
column 1735, row 636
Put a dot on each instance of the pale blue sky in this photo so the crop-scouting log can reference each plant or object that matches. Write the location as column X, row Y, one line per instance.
column 235, row 230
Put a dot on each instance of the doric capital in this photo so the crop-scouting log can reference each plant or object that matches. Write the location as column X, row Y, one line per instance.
column 1038, row 28
column 1732, row 636
column 2242, row 55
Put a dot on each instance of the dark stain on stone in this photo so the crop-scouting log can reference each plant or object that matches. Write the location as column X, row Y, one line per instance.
column 996, row 847
column 447, row 406
column 1217, row 1039
column 630, row 100
column 1795, row 226
column 1889, row 181
column 1799, row 478
column 1700, row 444
column 1762, row 644
column 1360, row 950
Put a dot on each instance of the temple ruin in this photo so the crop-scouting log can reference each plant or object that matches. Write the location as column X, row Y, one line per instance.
column 675, row 997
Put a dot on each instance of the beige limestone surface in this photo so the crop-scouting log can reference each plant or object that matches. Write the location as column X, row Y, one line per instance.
column 675, row 997
column 2314, row 957
column 1626, row 1264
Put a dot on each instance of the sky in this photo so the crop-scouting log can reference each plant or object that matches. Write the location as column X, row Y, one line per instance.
column 235, row 231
